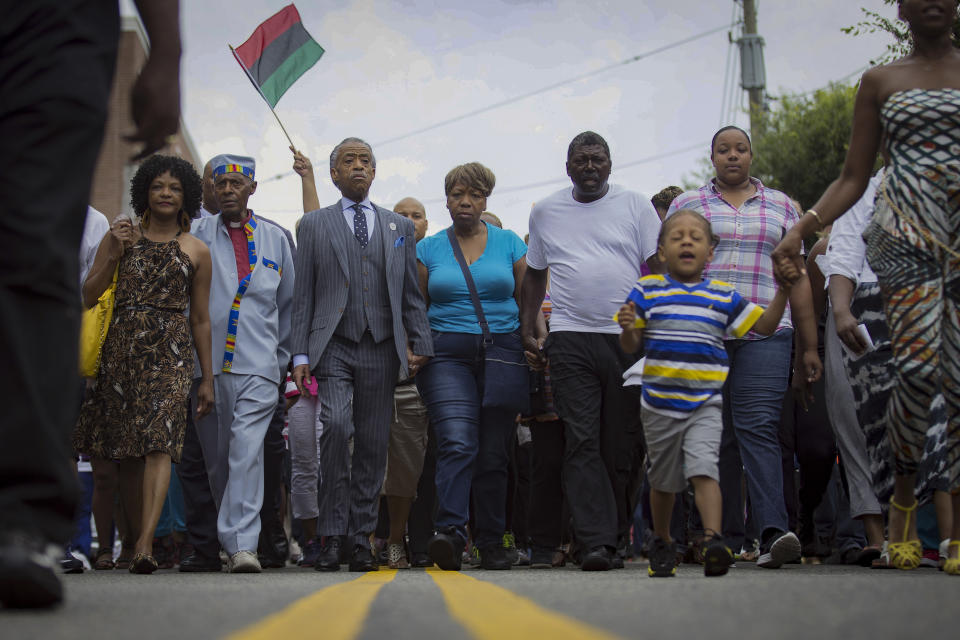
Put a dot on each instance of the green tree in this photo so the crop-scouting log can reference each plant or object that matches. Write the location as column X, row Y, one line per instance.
column 901, row 45
column 802, row 142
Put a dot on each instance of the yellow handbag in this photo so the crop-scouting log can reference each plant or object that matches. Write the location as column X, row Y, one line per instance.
column 93, row 329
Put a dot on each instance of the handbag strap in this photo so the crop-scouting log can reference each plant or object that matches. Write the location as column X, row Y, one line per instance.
column 471, row 286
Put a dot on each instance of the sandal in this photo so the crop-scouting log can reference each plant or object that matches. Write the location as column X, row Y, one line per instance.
column 104, row 560
column 143, row 563
column 123, row 560
column 867, row 555
column 952, row 565
column 905, row 554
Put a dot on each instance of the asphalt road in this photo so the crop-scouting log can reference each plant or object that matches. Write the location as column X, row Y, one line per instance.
column 797, row 601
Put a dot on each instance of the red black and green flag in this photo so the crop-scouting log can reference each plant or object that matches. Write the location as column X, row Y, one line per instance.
column 278, row 53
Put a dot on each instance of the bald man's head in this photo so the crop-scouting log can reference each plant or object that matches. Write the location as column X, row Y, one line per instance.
column 209, row 195
column 412, row 208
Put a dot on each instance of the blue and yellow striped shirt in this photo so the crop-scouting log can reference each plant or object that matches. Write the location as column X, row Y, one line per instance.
column 684, row 328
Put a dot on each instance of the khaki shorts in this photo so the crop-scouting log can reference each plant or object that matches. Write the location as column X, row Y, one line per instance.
column 682, row 448
column 408, row 443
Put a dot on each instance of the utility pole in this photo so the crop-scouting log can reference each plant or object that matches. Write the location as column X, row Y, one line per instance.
column 752, row 72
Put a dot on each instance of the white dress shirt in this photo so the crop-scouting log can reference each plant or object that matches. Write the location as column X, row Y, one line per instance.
column 847, row 252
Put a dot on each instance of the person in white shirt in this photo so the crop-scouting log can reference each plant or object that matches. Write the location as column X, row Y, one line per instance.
column 594, row 239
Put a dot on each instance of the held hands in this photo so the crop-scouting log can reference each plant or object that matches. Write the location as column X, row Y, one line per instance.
column 533, row 351
column 301, row 164
column 627, row 316
column 415, row 363
column 787, row 262
column 205, row 397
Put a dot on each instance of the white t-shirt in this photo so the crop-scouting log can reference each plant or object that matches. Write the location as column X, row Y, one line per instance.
column 594, row 252
column 94, row 228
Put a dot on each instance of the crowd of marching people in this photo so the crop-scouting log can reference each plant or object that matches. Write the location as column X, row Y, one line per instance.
column 676, row 378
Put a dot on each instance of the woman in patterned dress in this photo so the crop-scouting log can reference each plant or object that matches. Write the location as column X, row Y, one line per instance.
column 912, row 106
column 137, row 412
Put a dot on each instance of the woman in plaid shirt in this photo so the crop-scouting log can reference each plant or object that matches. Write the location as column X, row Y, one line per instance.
column 749, row 220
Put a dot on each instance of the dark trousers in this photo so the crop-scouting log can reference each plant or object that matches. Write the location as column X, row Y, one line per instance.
column 56, row 69
column 200, row 511
column 420, row 523
column 601, row 427
column 807, row 437
column 547, row 514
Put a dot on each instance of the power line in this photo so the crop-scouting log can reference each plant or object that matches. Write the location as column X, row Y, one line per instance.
column 550, row 87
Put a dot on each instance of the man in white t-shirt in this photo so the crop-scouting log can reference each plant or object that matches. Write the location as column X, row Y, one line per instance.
column 593, row 238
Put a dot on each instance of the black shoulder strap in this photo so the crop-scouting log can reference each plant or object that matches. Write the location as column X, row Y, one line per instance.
column 474, row 297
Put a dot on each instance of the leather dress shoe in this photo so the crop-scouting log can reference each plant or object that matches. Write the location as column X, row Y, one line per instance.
column 446, row 549
column 495, row 558
column 198, row 563
column 598, row 559
column 363, row 559
column 329, row 558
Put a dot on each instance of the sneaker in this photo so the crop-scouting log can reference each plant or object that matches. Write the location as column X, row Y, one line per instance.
column 717, row 558
column 495, row 558
column 72, row 562
column 296, row 553
column 472, row 557
column 663, row 558
column 244, row 562
column 523, row 559
column 930, row 559
column 446, row 549
column 28, row 577
column 779, row 549
column 541, row 558
column 311, row 551
column 510, row 544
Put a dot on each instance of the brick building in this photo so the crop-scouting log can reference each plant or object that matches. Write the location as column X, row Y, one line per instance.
column 110, row 191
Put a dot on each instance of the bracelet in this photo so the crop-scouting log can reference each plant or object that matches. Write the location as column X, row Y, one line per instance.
column 817, row 216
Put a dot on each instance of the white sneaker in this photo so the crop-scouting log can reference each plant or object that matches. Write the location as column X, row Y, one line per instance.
column 244, row 562
column 783, row 549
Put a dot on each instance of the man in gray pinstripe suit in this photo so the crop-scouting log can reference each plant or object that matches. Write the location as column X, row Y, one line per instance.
column 358, row 319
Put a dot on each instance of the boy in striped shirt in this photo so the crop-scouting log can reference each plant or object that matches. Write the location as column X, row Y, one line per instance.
column 681, row 320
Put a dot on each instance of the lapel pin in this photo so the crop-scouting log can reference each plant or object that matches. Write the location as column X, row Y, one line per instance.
column 393, row 226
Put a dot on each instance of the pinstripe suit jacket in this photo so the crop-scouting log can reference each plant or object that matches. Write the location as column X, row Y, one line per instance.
column 323, row 279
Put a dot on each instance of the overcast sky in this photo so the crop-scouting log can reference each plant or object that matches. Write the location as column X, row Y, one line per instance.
column 396, row 66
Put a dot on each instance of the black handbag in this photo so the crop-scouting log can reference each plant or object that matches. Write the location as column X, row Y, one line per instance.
column 506, row 376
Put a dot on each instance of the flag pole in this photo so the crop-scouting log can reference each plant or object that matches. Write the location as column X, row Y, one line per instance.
column 257, row 87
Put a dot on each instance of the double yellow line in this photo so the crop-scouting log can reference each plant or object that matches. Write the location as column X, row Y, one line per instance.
column 485, row 610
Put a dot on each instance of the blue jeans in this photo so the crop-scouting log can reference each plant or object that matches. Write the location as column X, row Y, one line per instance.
column 473, row 442
column 752, row 401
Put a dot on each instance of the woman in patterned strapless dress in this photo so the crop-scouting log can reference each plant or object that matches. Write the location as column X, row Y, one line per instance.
column 913, row 244
column 138, row 409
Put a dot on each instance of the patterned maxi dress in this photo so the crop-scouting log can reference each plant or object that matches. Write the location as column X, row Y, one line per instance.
column 913, row 245
column 139, row 403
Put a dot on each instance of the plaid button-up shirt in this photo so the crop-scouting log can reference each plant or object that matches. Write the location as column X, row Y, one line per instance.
column 747, row 237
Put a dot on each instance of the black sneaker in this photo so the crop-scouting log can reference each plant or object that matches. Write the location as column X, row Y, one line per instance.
column 598, row 559
column 70, row 563
column 495, row 558
column 28, row 577
column 717, row 557
column 311, row 551
column 541, row 558
column 778, row 549
column 663, row 558
column 446, row 549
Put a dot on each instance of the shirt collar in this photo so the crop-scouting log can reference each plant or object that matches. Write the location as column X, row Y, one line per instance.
column 236, row 225
column 712, row 185
column 347, row 204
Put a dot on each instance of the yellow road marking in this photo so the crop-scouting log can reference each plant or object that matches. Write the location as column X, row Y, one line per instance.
column 490, row 612
column 341, row 609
